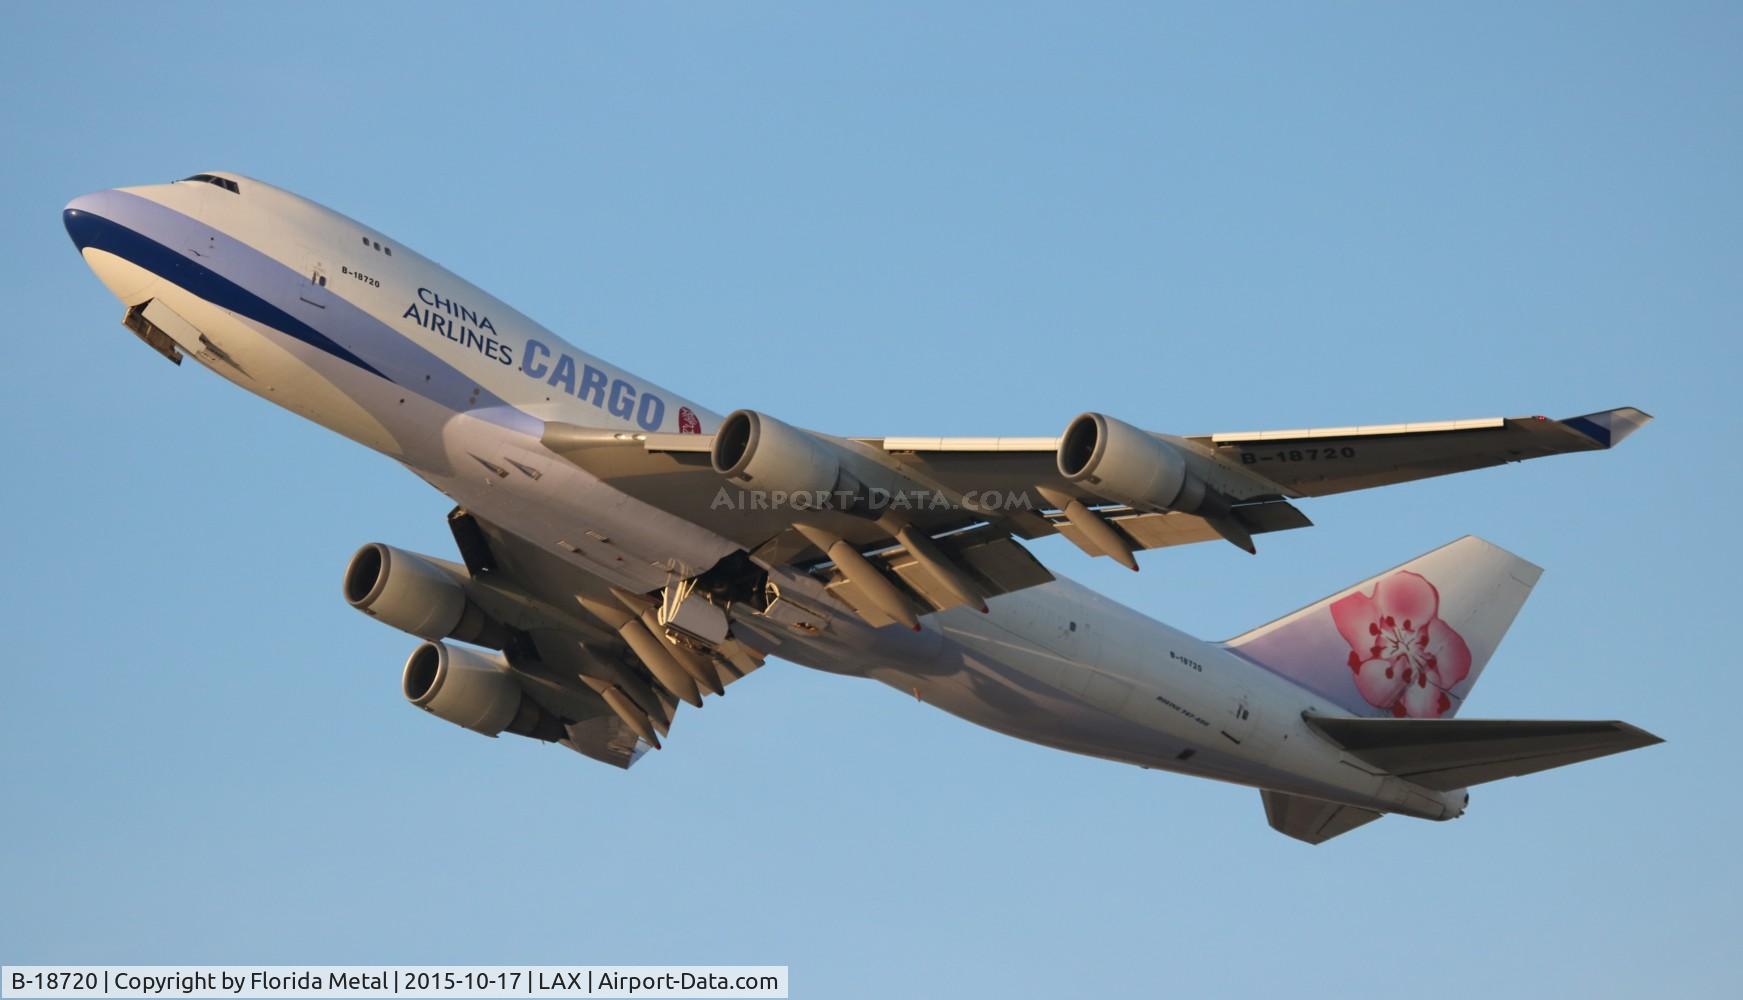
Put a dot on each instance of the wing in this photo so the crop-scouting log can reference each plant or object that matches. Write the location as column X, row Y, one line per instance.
column 1294, row 463
column 1246, row 480
column 1108, row 488
column 616, row 674
column 1318, row 462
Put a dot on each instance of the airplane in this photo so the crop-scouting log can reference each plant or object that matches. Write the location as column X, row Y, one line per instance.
column 625, row 551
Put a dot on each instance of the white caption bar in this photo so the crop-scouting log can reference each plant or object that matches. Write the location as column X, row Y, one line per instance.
column 393, row 981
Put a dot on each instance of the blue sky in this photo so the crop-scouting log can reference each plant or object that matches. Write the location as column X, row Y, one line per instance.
column 892, row 219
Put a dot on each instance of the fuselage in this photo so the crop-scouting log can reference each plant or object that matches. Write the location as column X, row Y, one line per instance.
column 336, row 322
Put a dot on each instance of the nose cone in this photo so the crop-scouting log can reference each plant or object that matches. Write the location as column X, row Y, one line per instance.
column 80, row 219
column 101, row 241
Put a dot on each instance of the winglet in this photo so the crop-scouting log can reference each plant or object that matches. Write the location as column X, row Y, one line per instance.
column 1609, row 428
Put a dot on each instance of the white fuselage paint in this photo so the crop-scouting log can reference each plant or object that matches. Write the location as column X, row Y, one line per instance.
column 1057, row 665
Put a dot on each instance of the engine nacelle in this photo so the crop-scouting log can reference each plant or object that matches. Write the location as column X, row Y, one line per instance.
column 755, row 449
column 1128, row 465
column 415, row 594
column 475, row 691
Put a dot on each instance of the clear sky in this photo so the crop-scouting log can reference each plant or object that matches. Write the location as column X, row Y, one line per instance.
column 891, row 219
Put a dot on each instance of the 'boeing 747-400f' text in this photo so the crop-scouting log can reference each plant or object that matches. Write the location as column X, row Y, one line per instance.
column 625, row 551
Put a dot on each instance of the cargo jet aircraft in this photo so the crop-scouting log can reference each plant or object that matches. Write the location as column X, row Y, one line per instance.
column 625, row 551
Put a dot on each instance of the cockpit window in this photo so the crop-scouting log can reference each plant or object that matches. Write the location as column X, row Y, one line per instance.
column 225, row 183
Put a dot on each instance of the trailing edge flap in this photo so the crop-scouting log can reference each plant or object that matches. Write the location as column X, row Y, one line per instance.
column 533, row 590
column 1158, row 530
column 605, row 739
column 1447, row 754
column 994, row 563
column 1314, row 821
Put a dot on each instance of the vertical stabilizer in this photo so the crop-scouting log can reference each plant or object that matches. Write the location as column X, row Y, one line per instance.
column 1409, row 642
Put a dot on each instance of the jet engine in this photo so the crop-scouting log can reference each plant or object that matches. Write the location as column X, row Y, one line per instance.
column 751, row 447
column 1128, row 465
column 474, row 690
column 416, row 594
column 755, row 449
column 1119, row 462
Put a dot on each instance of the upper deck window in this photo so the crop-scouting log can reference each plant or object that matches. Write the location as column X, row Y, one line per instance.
column 225, row 183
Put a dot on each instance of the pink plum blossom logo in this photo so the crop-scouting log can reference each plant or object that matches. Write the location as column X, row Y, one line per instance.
column 1403, row 656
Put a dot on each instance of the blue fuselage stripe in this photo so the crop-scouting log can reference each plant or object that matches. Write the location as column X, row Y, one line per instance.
column 94, row 231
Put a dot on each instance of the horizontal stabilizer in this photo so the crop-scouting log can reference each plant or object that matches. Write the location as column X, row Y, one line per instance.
column 1312, row 820
column 1447, row 754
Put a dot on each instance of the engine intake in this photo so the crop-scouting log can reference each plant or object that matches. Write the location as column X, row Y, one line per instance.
column 416, row 594
column 751, row 447
column 475, row 691
column 1128, row 465
column 755, row 449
